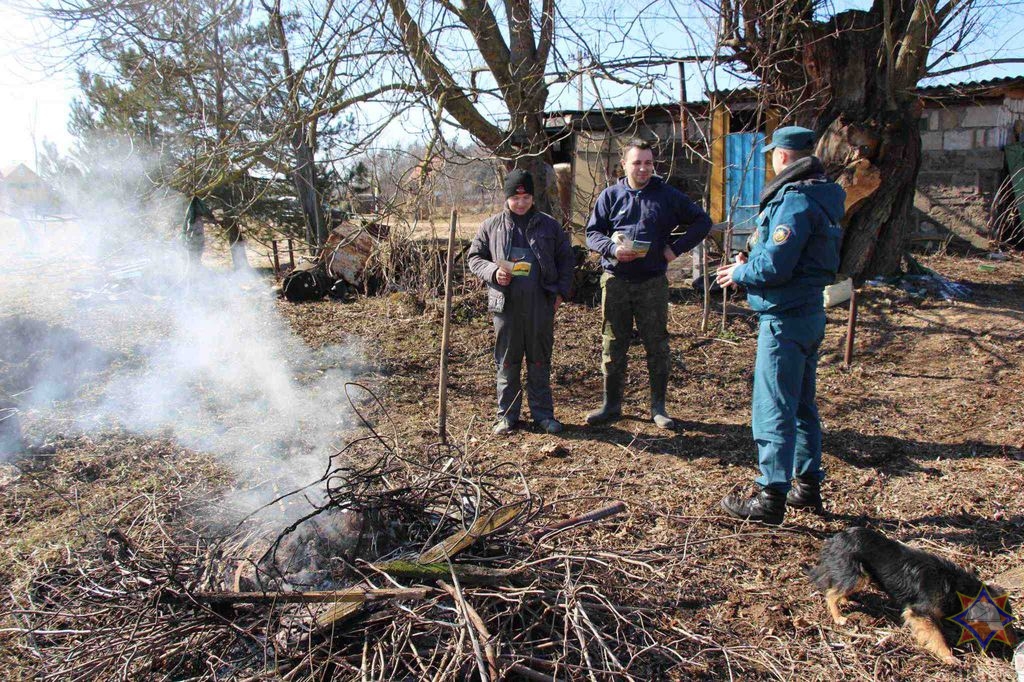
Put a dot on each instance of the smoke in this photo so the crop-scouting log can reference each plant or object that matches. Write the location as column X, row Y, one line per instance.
column 104, row 326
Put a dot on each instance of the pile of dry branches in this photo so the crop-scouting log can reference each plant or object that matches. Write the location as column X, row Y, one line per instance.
column 405, row 566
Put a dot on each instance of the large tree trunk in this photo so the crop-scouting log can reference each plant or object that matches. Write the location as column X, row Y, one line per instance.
column 877, row 164
column 853, row 78
column 304, row 177
column 869, row 139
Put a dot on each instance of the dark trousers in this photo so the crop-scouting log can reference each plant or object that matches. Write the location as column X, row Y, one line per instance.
column 786, row 426
column 646, row 302
column 526, row 327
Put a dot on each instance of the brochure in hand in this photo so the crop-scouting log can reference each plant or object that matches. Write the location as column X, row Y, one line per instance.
column 518, row 268
column 635, row 245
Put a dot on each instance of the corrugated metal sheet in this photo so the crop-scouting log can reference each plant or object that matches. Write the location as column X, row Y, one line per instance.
column 744, row 177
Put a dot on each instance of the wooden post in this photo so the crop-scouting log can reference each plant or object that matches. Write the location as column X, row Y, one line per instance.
column 851, row 327
column 291, row 254
column 682, row 104
column 707, row 287
column 277, row 263
column 726, row 258
column 442, row 390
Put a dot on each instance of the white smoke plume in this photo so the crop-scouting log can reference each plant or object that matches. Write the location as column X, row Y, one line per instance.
column 104, row 328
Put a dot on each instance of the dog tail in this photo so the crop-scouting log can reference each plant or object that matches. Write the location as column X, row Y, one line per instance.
column 819, row 575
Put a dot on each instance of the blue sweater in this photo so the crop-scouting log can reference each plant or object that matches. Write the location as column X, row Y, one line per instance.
column 648, row 214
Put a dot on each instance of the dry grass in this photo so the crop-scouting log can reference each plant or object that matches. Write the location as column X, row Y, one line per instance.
column 924, row 439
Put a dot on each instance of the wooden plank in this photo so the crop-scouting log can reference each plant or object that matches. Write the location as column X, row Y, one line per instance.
column 719, row 130
column 483, row 526
column 771, row 122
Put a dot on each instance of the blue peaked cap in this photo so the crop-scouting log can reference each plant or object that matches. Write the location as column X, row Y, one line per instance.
column 791, row 137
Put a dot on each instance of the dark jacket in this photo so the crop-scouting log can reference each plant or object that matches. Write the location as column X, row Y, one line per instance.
column 649, row 214
column 795, row 252
column 548, row 241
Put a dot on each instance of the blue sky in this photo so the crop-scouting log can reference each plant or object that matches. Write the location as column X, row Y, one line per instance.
column 36, row 97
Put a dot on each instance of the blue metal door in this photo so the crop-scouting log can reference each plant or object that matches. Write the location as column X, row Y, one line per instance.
column 744, row 178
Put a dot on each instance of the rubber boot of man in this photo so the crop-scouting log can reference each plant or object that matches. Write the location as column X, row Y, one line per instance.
column 806, row 494
column 611, row 409
column 766, row 505
column 659, row 385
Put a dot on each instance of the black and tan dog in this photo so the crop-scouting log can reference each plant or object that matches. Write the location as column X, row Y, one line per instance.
column 926, row 586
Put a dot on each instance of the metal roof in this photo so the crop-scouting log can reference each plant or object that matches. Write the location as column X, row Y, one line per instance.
column 979, row 88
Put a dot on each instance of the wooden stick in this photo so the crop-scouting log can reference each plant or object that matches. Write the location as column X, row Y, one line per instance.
column 851, row 327
column 291, row 254
column 357, row 595
column 475, row 622
column 707, row 287
column 442, row 390
column 466, row 573
column 589, row 517
column 277, row 263
column 726, row 257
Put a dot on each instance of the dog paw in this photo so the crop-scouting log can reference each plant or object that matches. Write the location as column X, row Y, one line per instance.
column 841, row 621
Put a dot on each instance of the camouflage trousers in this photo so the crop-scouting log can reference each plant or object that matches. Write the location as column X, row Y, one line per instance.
column 646, row 302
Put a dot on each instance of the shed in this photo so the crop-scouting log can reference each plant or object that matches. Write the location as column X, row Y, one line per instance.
column 965, row 129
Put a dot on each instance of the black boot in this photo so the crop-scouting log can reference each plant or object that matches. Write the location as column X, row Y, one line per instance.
column 766, row 505
column 806, row 494
column 611, row 408
column 659, row 386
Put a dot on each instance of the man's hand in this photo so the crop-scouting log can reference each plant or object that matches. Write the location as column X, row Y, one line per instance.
column 503, row 277
column 723, row 276
column 558, row 302
column 670, row 255
column 624, row 255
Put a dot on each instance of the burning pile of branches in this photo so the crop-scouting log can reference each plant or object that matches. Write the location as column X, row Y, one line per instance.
column 405, row 566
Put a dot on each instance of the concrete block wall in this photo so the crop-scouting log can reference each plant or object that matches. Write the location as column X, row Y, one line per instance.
column 964, row 127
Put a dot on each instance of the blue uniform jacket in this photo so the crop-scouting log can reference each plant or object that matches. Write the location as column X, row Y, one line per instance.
column 649, row 214
column 795, row 252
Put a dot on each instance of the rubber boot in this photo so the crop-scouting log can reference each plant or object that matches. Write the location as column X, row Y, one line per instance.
column 806, row 494
column 611, row 408
column 766, row 505
column 659, row 385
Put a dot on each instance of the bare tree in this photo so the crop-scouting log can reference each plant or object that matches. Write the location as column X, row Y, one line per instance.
column 852, row 76
column 233, row 94
column 510, row 72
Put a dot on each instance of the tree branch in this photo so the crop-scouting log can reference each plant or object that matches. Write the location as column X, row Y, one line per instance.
column 975, row 65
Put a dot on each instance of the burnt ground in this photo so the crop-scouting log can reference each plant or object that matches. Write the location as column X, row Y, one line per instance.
column 924, row 440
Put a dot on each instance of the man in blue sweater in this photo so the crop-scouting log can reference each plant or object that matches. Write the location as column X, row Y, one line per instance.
column 632, row 228
column 794, row 256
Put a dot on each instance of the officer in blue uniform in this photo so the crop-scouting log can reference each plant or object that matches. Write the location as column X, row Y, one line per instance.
column 793, row 257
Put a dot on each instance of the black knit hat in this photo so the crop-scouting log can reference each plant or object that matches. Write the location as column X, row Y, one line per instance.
column 518, row 181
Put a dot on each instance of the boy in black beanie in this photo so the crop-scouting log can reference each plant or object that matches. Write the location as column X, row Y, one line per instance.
column 526, row 260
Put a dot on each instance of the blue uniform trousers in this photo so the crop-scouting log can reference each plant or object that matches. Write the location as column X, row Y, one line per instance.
column 786, row 426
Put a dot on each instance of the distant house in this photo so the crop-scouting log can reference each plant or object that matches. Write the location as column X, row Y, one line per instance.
column 22, row 190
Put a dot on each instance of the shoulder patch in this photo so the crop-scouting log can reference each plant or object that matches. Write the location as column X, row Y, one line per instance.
column 781, row 234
